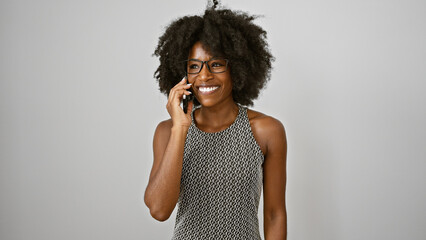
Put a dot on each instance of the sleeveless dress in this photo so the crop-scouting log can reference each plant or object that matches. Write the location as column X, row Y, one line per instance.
column 221, row 183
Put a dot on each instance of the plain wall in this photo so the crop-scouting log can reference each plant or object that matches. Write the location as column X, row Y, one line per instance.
column 79, row 106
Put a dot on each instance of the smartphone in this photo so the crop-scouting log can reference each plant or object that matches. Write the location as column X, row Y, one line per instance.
column 187, row 99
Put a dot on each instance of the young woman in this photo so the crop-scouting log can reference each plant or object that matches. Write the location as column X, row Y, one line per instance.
column 214, row 160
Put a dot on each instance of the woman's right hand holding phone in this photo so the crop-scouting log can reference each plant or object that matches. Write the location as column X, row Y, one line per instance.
column 162, row 192
column 179, row 118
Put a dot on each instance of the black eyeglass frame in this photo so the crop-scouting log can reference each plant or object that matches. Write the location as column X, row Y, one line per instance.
column 206, row 63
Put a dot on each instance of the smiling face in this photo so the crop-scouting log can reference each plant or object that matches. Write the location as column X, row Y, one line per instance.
column 209, row 88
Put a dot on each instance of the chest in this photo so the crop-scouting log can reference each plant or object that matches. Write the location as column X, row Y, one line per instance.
column 227, row 160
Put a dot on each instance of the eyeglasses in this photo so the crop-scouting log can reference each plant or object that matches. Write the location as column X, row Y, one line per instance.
column 215, row 65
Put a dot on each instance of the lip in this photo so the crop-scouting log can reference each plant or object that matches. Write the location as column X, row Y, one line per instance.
column 207, row 86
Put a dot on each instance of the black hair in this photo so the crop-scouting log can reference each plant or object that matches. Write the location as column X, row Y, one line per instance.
column 223, row 32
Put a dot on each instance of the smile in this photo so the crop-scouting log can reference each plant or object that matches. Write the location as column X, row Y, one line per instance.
column 206, row 90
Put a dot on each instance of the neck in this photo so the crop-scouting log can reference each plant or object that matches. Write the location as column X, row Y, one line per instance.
column 217, row 117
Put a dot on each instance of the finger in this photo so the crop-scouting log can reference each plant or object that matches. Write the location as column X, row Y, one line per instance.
column 184, row 95
column 178, row 95
column 187, row 86
column 179, row 86
column 179, row 92
column 177, row 89
column 171, row 95
column 183, row 81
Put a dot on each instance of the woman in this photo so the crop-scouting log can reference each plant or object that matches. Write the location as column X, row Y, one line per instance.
column 213, row 160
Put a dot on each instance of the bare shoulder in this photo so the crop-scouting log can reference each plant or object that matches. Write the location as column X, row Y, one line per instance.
column 266, row 129
column 163, row 130
column 263, row 123
column 165, row 125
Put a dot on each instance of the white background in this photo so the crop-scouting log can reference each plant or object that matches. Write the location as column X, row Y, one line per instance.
column 79, row 106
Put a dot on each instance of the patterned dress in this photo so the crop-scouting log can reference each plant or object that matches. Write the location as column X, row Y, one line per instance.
column 221, row 183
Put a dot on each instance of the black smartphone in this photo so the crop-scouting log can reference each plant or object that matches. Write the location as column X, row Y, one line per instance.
column 187, row 99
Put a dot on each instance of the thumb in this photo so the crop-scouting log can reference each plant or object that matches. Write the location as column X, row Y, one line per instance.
column 190, row 107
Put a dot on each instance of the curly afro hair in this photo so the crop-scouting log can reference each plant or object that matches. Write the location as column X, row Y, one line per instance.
column 223, row 32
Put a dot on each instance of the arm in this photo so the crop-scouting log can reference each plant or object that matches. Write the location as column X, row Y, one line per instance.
column 162, row 191
column 274, row 184
column 271, row 136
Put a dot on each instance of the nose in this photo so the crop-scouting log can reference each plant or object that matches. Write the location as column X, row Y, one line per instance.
column 205, row 74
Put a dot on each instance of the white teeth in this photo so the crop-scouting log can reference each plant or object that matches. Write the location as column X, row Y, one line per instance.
column 207, row 89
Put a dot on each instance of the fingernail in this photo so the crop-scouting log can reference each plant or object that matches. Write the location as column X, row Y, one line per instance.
column 190, row 92
column 183, row 79
column 189, row 84
column 184, row 96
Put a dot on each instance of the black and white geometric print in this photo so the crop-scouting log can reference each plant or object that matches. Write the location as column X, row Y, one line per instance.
column 221, row 184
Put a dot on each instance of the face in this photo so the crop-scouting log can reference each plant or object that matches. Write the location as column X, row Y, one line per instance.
column 209, row 88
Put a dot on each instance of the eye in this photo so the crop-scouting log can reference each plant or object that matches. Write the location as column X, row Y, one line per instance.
column 218, row 63
column 193, row 66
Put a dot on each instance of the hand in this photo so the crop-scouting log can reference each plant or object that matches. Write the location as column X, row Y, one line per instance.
column 179, row 118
